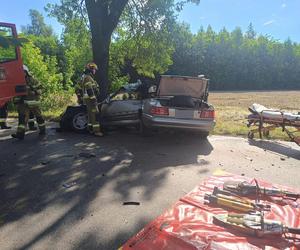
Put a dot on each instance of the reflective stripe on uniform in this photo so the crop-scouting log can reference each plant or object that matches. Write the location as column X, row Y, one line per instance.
column 42, row 125
column 96, row 126
column 2, row 119
column 31, row 120
column 32, row 103
column 21, row 128
column 88, row 85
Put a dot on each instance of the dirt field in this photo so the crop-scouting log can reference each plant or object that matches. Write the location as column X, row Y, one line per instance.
column 232, row 108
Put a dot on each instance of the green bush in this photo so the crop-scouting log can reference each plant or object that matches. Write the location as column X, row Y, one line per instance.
column 55, row 95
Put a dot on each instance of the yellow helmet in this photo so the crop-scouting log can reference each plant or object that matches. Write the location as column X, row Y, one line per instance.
column 92, row 66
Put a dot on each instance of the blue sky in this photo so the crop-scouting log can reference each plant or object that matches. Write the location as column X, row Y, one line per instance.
column 277, row 18
column 16, row 11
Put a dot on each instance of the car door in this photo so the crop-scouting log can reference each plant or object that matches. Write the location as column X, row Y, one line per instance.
column 121, row 111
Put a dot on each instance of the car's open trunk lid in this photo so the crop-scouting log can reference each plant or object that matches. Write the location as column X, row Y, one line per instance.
column 195, row 87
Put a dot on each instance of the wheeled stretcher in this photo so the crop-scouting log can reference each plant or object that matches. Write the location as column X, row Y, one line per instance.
column 264, row 120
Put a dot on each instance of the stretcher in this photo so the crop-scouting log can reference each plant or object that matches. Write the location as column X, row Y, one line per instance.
column 262, row 120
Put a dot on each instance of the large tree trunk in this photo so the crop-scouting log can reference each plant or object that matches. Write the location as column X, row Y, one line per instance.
column 101, row 58
column 103, row 18
column 101, row 44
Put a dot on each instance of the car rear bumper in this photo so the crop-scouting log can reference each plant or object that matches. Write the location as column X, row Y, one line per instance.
column 191, row 124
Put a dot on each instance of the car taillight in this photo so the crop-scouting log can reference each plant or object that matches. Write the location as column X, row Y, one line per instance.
column 159, row 111
column 207, row 114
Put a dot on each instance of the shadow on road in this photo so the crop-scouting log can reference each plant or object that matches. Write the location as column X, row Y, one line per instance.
column 70, row 169
column 276, row 147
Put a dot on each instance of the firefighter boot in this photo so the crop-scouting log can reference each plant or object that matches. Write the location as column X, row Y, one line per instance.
column 42, row 130
column 20, row 132
column 18, row 136
column 100, row 134
column 97, row 130
column 31, row 126
column 42, row 125
column 31, row 123
column 4, row 126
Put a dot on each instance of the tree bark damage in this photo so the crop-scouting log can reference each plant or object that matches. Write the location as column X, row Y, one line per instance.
column 104, row 17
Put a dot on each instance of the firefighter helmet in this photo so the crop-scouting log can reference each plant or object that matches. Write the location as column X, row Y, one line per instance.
column 25, row 68
column 92, row 66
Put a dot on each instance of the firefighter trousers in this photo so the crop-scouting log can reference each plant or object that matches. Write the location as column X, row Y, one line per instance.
column 31, row 120
column 93, row 113
column 3, row 115
column 24, row 111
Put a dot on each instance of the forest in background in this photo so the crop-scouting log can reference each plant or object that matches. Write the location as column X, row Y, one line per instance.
column 233, row 60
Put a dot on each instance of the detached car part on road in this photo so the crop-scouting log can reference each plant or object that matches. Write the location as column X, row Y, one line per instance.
column 180, row 102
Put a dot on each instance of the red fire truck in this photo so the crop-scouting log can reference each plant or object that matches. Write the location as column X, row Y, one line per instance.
column 12, row 78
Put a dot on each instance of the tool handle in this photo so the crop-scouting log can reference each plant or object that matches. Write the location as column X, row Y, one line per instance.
column 293, row 230
column 292, row 195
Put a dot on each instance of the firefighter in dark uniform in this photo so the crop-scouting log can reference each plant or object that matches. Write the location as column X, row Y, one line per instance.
column 3, row 117
column 29, row 104
column 87, row 92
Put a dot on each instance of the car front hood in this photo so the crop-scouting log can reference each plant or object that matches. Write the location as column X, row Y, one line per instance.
column 182, row 85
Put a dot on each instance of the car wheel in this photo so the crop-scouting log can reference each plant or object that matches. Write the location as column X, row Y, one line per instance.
column 74, row 119
column 80, row 122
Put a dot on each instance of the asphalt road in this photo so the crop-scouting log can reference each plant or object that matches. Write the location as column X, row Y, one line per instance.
column 66, row 191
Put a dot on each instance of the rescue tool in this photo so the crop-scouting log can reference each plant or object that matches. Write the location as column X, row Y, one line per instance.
column 245, row 188
column 253, row 224
column 231, row 201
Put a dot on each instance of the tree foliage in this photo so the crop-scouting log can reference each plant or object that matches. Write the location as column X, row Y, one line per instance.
column 142, row 20
column 37, row 26
column 147, row 42
column 45, row 69
column 236, row 60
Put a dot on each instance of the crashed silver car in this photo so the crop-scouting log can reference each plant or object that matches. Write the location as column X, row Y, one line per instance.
column 180, row 103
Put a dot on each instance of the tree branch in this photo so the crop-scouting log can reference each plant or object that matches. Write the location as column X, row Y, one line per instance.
column 116, row 9
column 80, row 10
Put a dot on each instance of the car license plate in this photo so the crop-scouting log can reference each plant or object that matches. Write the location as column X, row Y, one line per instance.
column 172, row 112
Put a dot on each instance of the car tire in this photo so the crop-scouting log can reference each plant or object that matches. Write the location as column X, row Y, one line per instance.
column 79, row 122
column 75, row 119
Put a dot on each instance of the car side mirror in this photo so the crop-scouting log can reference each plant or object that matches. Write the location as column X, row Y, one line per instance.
column 152, row 89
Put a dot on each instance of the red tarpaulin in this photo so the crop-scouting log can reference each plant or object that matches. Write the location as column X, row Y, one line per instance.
column 188, row 224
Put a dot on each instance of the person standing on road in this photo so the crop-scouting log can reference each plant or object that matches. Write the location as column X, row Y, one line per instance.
column 3, row 117
column 29, row 104
column 89, row 91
